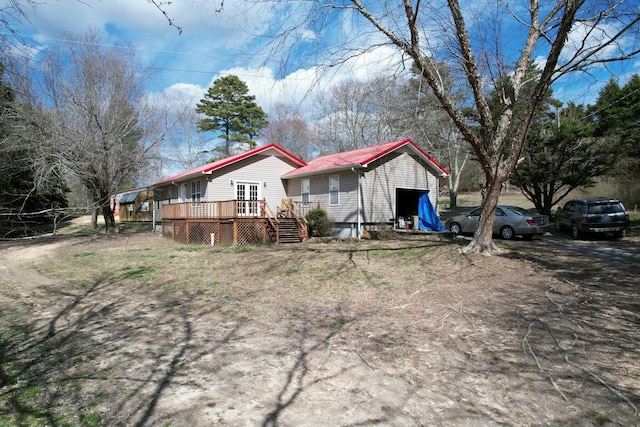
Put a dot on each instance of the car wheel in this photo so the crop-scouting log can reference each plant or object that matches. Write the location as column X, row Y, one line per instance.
column 455, row 228
column 507, row 233
column 575, row 233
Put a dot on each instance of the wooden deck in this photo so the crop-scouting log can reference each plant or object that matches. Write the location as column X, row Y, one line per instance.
column 235, row 222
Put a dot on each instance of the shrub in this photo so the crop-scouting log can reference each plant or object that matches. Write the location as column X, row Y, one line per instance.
column 319, row 223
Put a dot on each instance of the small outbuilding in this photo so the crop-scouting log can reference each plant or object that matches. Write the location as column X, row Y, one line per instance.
column 135, row 205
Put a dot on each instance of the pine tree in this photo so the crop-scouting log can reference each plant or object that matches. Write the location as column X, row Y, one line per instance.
column 232, row 112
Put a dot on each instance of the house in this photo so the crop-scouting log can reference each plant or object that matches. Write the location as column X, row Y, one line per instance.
column 262, row 195
column 229, row 201
column 370, row 188
column 133, row 205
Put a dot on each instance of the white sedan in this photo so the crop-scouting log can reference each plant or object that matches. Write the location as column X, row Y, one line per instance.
column 510, row 221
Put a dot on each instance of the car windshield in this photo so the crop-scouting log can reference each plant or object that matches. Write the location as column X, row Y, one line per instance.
column 604, row 208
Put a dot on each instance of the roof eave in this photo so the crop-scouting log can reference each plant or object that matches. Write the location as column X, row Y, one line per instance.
column 176, row 180
column 324, row 171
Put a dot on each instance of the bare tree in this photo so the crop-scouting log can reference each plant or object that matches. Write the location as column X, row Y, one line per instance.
column 355, row 114
column 481, row 44
column 13, row 11
column 183, row 146
column 288, row 129
column 419, row 113
column 93, row 125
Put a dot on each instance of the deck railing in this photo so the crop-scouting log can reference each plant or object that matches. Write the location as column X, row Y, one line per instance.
column 301, row 209
column 214, row 210
column 231, row 209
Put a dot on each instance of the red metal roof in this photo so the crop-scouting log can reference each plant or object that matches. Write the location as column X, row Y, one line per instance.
column 361, row 158
column 210, row 167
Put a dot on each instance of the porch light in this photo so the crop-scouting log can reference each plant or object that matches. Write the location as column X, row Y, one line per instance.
column 264, row 184
column 230, row 182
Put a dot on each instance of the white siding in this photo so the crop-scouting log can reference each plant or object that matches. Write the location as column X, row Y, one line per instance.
column 263, row 169
column 345, row 210
column 378, row 191
column 382, row 178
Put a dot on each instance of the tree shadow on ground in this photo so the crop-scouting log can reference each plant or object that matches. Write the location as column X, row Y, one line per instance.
column 584, row 334
column 79, row 366
column 294, row 385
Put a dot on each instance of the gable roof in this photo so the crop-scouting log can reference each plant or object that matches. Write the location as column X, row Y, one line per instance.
column 218, row 164
column 361, row 158
column 130, row 194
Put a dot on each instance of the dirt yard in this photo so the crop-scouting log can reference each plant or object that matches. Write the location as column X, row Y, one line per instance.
column 135, row 330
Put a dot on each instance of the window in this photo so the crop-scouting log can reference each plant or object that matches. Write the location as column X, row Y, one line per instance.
column 305, row 190
column 334, row 189
column 195, row 191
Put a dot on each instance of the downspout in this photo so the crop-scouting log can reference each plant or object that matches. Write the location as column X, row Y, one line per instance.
column 153, row 211
column 358, row 208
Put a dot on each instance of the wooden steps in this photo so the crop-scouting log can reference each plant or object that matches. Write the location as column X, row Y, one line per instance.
column 288, row 231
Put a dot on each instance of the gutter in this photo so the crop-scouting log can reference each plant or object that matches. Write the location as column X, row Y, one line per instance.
column 321, row 171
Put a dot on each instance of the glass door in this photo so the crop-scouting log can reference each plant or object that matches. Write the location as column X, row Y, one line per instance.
column 247, row 196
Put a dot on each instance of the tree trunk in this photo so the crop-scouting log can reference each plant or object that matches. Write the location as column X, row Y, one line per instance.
column 453, row 198
column 482, row 241
column 109, row 219
column 94, row 219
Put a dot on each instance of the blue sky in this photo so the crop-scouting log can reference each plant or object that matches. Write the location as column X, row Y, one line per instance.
column 212, row 44
column 233, row 41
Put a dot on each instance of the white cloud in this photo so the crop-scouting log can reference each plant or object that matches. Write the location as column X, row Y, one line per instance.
column 307, row 35
column 299, row 88
column 585, row 38
column 208, row 39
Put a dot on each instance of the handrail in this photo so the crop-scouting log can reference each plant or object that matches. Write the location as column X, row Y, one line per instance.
column 302, row 222
column 270, row 219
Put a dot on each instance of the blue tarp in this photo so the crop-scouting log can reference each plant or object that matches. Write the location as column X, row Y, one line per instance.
column 429, row 219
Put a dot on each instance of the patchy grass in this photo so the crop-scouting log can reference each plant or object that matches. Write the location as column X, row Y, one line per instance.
column 139, row 330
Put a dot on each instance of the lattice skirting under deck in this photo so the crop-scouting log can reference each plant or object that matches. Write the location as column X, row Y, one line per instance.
column 238, row 232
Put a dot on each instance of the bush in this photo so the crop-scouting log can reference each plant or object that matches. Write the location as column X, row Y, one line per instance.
column 319, row 223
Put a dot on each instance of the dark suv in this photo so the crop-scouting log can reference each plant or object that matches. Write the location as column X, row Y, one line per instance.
column 602, row 215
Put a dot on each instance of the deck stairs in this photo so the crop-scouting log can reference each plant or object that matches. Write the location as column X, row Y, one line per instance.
column 288, row 231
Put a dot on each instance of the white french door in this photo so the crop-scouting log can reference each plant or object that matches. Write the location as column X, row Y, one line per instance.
column 247, row 194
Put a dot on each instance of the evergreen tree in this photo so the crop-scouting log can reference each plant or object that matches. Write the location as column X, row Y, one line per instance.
column 232, row 112
column 617, row 112
column 617, row 117
column 558, row 159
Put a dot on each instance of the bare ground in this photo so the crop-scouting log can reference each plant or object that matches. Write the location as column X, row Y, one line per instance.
column 135, row 330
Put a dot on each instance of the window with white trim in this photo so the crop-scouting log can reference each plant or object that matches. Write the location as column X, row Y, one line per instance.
column 334, row 189
column 305, row 189
column 195, row 191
